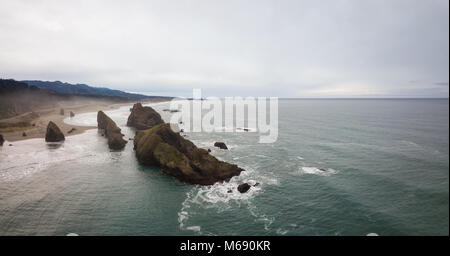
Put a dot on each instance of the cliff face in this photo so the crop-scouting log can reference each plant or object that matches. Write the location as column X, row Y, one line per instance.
column 112, row 131
column 143, row 118
column 180, row 158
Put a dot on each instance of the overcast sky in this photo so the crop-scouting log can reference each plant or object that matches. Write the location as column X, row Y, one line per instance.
column 326, row 48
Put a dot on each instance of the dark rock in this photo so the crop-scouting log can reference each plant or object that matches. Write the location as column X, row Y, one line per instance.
column 230, row 191
column 2, row 140
column 143, row 118
column 321, row 169
column 111, row 131
column 256, row 184
column 209, row 150
column 130, row 138
column 245, row 129
column 72, row 114
column 61, row 111
column 243, row 187
column 10, row 145
column 180, row 158
column 72, row 130
column 171, row 110
column 220, row 145
column 33, row 124
column 53, row 133
column 182, row 130
column 24, row 134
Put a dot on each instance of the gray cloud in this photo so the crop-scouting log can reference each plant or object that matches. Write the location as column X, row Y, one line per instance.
column 329, row 48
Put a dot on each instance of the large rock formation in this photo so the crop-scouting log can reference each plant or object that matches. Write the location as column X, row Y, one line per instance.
column 2, row 140
column 112, row 132
column 53, row 133
column 180, row 158
column 143, row 118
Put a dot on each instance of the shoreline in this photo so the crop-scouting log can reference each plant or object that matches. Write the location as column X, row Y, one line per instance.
column 46, row 115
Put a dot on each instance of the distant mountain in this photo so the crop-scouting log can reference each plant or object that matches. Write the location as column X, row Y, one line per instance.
column 83, row 89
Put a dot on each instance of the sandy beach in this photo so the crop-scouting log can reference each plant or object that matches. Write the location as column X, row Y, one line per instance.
column 46, row 115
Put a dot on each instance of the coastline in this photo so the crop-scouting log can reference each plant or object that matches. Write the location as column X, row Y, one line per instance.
column 46, row 115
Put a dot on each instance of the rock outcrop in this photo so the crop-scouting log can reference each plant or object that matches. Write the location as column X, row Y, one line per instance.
column 220, row 145
column 2, row 140
column 53, row 133
column 243, row 187
column 111, row 131
column 143, row 118
column 180, row 158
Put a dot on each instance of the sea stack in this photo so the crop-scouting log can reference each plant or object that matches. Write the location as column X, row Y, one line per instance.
column 111, row 130
column 220, row 145
column 143, row 118
column 53, row 133
column 180, row 158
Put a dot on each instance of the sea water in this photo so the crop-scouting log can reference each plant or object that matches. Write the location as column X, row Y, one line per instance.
column 339, row 167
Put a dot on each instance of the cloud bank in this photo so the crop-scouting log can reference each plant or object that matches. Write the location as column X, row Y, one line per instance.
column 328, row 48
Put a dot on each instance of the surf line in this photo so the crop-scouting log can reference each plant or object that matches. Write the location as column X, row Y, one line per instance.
column 192, row 246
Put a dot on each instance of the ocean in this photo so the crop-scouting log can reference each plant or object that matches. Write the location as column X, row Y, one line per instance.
column 339, row 167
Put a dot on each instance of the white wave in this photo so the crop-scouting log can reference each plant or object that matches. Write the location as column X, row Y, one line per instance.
column 222, row 196
column 317, row 171
column 281, row 231
column 372, row 234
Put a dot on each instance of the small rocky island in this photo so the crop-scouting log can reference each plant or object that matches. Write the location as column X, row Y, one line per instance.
column 143, row 118
column 111, row 131
column 180, row 158
column 53, row 133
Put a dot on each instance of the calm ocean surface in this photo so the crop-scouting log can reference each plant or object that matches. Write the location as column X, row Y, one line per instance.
column 386, row 162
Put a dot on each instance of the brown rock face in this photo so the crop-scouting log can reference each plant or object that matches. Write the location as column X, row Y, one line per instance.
column 143, row 118
column 112, row 132
column 180, row 158
column 53, row 133
column 2, row 140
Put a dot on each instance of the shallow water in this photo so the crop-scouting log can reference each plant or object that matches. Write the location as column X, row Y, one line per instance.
column 339, row 167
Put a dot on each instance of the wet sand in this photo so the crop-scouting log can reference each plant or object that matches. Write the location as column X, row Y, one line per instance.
column 47, row 115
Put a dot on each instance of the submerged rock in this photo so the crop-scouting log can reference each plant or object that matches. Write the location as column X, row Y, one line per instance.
column 220, row 145
column 180, row 158
column 2, row 140
column 72, row 114
column 53, row 133
column 111, row 131
column 243, row 187
column 143, row 118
